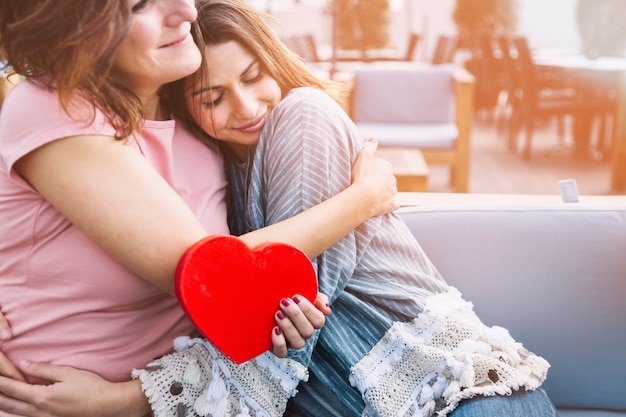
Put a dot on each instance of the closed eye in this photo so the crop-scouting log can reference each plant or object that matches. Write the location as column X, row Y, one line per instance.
column 140, row 5
column 216, row 102
column 254, row 79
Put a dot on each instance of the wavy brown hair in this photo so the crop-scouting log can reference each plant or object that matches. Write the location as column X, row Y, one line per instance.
column 221, row 21
column 69, row 46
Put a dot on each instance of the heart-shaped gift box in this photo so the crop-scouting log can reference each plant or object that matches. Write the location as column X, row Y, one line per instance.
column 232, row 292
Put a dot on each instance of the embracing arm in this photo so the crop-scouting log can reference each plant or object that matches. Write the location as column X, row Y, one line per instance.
column 109, row 191
column 318, row 228
column 91, row 395
column 74, row 392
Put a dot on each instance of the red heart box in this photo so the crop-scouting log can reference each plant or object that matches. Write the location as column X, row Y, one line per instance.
column 231, row 292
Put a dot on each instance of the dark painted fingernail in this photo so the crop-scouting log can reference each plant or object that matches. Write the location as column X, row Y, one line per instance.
column 277, row 331
column 280, row 315
column 296, row 299
column 284, row 302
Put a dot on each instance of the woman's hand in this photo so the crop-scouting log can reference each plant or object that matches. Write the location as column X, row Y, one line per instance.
column 71, row 393
column 375, row 177
column 7, row 369
column 5, row 330
column 297, row 321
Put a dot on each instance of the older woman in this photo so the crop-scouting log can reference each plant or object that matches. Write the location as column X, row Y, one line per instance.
column 101, row 192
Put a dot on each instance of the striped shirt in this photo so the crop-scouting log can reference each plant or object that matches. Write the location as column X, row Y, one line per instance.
column 375, row 275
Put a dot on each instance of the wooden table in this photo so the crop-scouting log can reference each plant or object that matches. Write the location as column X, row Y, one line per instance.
column 409, row 167
column 577, row 61
column 593, row 78
column 606, row 73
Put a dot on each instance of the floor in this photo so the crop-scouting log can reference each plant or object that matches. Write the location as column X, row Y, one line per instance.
column 494, row 168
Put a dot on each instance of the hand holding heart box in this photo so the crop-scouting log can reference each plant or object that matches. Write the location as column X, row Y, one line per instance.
column 231, row 292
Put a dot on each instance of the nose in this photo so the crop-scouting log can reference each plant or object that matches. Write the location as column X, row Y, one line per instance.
column 244, row 105
column 181, row 11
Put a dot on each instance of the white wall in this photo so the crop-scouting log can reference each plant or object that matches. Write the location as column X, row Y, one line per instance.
column 430, row 19
column 546, row 23
column 549, row 23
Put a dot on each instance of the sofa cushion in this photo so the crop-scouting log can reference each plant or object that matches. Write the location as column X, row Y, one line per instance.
column 425, row 136
column 403, row 93
column 554, row 275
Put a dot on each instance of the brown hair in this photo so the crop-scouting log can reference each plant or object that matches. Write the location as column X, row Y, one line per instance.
column 69, row 46
column 221, row 21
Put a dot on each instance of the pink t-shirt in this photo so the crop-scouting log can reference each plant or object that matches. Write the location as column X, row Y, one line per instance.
column 66, row 300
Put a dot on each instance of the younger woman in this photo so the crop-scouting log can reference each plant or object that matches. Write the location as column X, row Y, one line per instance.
column 400, row 340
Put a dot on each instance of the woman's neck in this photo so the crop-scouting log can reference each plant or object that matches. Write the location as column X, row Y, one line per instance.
column 153, row 108
column 240, row 152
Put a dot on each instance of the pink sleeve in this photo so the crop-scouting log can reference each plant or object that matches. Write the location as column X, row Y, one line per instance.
column 32, row 116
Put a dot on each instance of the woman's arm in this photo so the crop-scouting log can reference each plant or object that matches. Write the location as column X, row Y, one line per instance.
column 318, row 228
column 109, row 191
column 72, row 393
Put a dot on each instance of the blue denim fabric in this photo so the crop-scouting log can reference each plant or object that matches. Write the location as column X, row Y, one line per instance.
column 519, row 404
column 314, row 400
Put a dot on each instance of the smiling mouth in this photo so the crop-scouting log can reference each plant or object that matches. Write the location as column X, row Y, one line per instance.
column 179, row 41
column 253, row 126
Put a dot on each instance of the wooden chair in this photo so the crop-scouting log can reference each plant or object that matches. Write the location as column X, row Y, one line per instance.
column 411, row 46
column 535, row 96
column 445, row 48
column 425, row 107
column 486, row 64
column 304, row 46
column 368, row 56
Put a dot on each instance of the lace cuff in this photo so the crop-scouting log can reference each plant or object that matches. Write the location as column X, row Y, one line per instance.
column 445, row 355
column 198, row 380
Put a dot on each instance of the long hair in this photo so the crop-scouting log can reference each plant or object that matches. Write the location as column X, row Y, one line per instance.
column 69, row 46
column 221, row 21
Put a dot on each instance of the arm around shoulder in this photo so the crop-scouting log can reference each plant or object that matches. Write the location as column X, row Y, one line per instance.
column 371, row 193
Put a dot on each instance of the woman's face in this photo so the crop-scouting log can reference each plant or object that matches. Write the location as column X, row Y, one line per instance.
column 159, row 47
column 239, row 98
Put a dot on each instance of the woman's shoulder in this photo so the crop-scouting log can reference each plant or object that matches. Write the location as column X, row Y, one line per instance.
column 27, row 97
column 308, row 94
column 310, row 101
column 37, row 105
column 32, row 115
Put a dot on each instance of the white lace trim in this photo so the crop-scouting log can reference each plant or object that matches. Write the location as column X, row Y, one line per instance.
column 427, row 366
column 288, row 372
column 198, row 380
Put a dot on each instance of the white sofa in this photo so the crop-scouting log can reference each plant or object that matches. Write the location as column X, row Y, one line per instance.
column 553, row 273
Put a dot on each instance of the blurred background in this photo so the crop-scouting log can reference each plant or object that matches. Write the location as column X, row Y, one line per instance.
column 577, row 55
column 546, row 24
column 547, row 100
